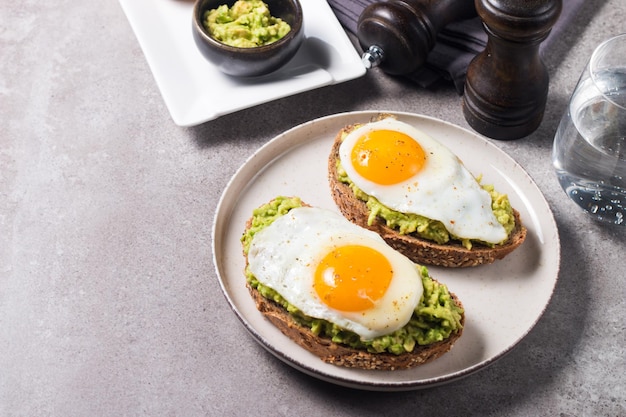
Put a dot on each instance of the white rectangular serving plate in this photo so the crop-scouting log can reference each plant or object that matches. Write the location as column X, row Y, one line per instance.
column 195, row 91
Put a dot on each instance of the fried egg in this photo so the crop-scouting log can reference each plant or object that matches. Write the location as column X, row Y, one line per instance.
column 331, row 269
column 409, row 172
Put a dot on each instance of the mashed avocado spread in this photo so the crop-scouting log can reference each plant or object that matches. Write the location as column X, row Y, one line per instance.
column 407, row 223
column 247, row 24
column 434, row 319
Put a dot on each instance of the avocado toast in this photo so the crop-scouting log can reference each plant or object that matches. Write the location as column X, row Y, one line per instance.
column 434, row 326
column 423, row 240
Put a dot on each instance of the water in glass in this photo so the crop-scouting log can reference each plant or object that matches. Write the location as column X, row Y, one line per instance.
column 590, row 146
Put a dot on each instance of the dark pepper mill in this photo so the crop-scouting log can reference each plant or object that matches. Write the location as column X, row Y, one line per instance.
column 397, row 35
column 506, row 86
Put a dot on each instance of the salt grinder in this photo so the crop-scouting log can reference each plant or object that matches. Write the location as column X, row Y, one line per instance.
column 397, row 35
column 506, row 86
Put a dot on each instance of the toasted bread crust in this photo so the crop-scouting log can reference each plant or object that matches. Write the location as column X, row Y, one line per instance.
column 422, row 251
column 341, row 355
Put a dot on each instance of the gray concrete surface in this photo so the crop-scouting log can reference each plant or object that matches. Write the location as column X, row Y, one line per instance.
column 109, row 303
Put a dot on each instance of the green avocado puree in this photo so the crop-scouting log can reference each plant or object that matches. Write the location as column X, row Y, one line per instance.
column 247, row 24
column 435, row 318
column 407, row 223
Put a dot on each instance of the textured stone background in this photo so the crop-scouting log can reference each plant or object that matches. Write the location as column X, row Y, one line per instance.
column 109, row 303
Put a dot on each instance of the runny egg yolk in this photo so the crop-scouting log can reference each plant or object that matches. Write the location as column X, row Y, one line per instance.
column 387, row 157
column 352, row 278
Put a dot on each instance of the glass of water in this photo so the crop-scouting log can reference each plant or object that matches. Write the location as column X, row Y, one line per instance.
column 589, row 151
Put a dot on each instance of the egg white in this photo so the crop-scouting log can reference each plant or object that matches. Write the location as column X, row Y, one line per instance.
column 443, row 190
column 285, row 254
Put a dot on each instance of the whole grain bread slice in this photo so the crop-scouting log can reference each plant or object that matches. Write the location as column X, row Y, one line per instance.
column 419, row 250
column 343, row 355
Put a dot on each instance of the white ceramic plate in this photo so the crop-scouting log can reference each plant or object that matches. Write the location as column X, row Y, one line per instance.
column 503, row 301
column 195, row 91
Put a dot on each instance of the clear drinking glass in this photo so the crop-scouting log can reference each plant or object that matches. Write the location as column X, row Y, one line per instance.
column 589, row 152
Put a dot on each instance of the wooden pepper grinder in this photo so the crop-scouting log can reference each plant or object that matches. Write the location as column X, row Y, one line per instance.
column 506, row 85
column 397, row 35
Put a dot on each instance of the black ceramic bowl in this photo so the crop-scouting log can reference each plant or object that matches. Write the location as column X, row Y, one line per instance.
column 250, row 62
